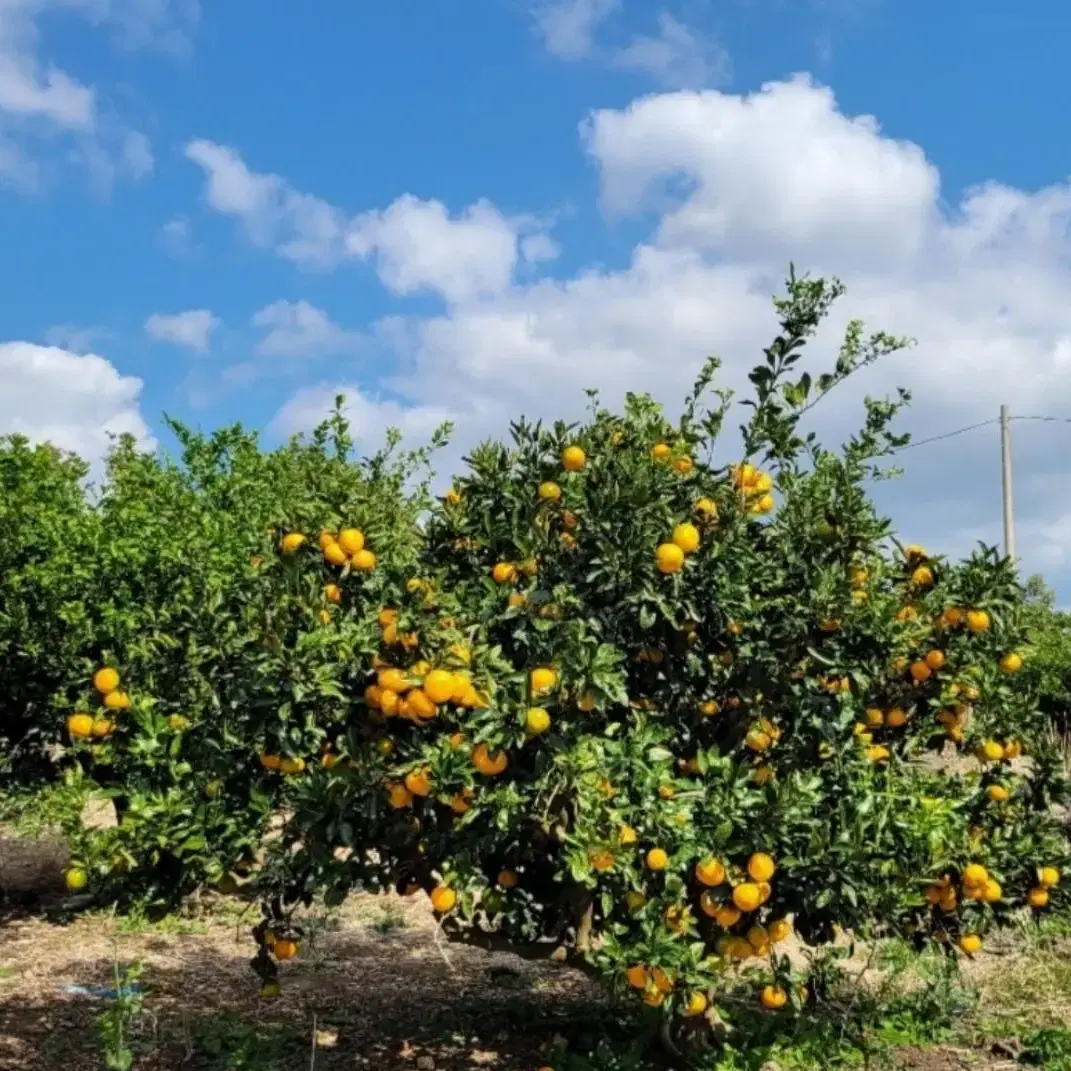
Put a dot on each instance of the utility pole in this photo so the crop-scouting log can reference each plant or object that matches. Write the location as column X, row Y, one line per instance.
column 1006, row 467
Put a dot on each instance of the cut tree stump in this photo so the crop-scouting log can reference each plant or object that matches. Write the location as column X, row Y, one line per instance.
column 31, row 868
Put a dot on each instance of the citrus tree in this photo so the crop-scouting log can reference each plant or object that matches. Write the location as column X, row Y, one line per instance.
column 665, row 717
column 209, row 667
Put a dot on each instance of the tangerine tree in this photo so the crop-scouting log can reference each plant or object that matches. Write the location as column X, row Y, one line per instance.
column 660, row 714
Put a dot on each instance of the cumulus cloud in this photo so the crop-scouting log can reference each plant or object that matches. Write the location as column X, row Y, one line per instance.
column 76, row 401
column 416, row 245
column 739, row 184
column 298, row 329
column 190, row 329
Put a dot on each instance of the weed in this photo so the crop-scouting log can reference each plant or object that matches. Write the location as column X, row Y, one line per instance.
column 388, row 920
column 114, row 1024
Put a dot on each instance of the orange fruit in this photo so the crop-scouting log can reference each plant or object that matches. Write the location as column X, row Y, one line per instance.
column 684, row 465
column 490, row 765
column 1048, row 877
column 504, row 573
column 657, row 859
column 351, row 540
column 284, row 949
column 291, row 542
column 600, row 859
column 291, row 766
column 363, row 560
column 896, row 718
column 399, row 796
column 80, row 726
column 709, row 708
column 1037, row 897
column 417, row 782
column 977, row 620
column 439, row 685
column 637, row 977
column 710, row 872
column 507, row 879
column 325, row 539
column 696, row 1005
column 997, row 793
column 686, row 536
column 1012, row 662
column 421, row 705
column 105, row 680
column 75, row 878
column 389, row 702
column 270, row 762
column 391, row 679
column 443, row 899
column 935, row 659
column 779, row 930
column 537, row 721
column 727, row 915
column 761, row 866
column 970, row 943
column 707, row 507
column 549, row 491
column 543, row 679
column 975, row 874
column 747, row 896
column 102, row 727
column 333, row 593
column 573, row 459
column 773, row 997
column 660, row 451
column 922, row 576
column 334, row 554
column 669, row 558
column 921, row 671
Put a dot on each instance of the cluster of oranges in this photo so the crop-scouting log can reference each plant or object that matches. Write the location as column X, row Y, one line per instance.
column 978, row 885
column 755, row 487
column 347, row 547
column 669, row 557
column 102, row 725
column 663, row 452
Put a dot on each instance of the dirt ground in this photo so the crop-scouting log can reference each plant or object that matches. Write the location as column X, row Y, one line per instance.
column 374, row 987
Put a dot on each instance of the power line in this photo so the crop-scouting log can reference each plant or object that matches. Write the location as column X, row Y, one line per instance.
column 980, row 424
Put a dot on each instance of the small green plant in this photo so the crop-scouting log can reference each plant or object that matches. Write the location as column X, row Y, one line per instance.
column 232, row 1045
column 388, row 920
column 114, row 1024
column 1049, row 1048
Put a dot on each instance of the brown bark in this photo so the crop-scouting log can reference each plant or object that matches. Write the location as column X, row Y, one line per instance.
column 32, row 867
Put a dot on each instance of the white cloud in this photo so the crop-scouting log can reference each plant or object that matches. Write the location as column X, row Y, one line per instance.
column 739, row 185
column 678, row 56
column 39, row 101
column 73, row 401
column 191, row 329
column 80, row 340
column 567, row 27
column 175, row 236
column 298, row 329
column 417, row 245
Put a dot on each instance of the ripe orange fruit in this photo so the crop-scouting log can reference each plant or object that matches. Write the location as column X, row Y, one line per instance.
column 1037, row 897
column 334, row 554
column 991, row 751
column 920, row 671
column 970, row 943
column 669, row 558
column 75, row 878
column 291, row 542
column 504, row 573
column 399, row 796
column 543, row 679
column 935, row 659
column 80, row 726
column 773, row 997
column 627, row 835
column 779, row 930
column 363, row 560
column 707, row 508
column 421, row 705
column 709, row 708
column 351, row 540
column 439, row 685
column 389, row 702
column 573, row 459
column 102, row 727
column 490, row 765
column 1012, row 662
column 975, row 874
column 333, row 593
column 270, row 762
column 537, row 721
column 696, row 1005
column 393, row 680
column 284, row 949
column 757, row 740
column 291, row 766
column 507, row 879
column 549, row 491
column 747, row 896
column 977, row 620
column 105, row 680
column 727, row 915
column 1048, row 877
column 637, row 977
column 657, row 859
column 600, row 859
column 761, row 866
column 443, row 899
column 997, row 793
column 684, row 465
column 991, row 891
column 710, row 872
column 896, row 718
column 686, row 536
column 417, row 782
column 922, row 576
column 660, row 451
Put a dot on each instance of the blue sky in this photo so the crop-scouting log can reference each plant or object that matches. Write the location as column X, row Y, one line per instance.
column 468, row 210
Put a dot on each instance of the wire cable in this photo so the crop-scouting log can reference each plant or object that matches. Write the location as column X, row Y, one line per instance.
column 980, row 424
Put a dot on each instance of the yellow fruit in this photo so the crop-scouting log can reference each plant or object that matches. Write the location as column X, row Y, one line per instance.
column 975, row 874
column 270, row 762
column 757, row 740
column 391, row 679
column 977, row 620
column 684, row 465
column 537, row 721
column 779, row 930
column 504, row 573
column 637, row 977
column 657, row 859
column 764, row 505
column 935, row 659
column 333, row 593
column 439, row 685
column 707, row 508
column 991, row 751
column 1048, row 877
column 543, row 679
column 970, row 943
column 1011, row 663
column 991, row 891
column 177, row 723
column 453, row 496
column 709, row 708
column 284, row 949
column 877, row 753
column 896, row 718
column 443, row 899
column 105, row 680
column 573, row 459
column 292, row 541
column 627, row 835
column 660, row 451
column 399, row 796
column 669, row 558
column 727, row 915
column 75, row 878
column 549, row 491
column 747, row 896
column 417, row 782
column 761, row 866
column 997, row 793
column 325, row 539
column 335, row 555
column 270, row 991
column 351, row 540
column 773, row 997
column 696, row 1005
column 1037, row 897
column 600, row 859
column 117, row 701
column 710, row 872
column 80, row 726
column 686, row 536
column 363, row 560
column 922, row 576
column 291, row 766
column 421, row 705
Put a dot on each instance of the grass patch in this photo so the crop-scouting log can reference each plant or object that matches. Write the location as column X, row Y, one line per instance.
column 226, row 1043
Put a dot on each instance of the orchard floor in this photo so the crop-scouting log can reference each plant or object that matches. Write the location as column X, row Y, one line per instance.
column 377, row 989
